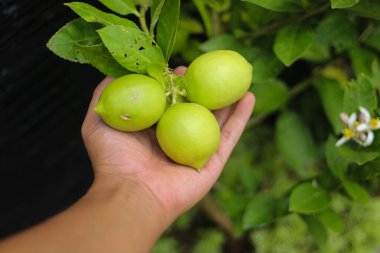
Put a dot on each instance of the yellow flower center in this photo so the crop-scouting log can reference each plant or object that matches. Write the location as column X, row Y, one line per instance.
column 374, row 123
column 348, row 133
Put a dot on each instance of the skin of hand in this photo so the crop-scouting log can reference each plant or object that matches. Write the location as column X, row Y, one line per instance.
column 136, row 158
column 137, row 191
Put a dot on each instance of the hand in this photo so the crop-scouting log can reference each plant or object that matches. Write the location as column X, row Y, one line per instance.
column 135, row 159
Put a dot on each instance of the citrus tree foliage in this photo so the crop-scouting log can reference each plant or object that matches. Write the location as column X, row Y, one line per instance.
column 288, row 186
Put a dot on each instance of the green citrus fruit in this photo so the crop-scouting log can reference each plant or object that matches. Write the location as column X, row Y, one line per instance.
column 131, row 103
column 218, row 78
column 189, row 134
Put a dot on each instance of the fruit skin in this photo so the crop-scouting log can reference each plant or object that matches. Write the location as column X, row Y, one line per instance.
column 218, row 78
column 131, row 103
column 189, row 134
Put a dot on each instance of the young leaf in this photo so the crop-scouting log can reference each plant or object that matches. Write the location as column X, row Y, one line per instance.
column 343, row 3
column 276, row 5
column 317, row 229
column 360, row 156
column 99, row 57
column 331, row 220
column 271, row 95
column 167, row 27
column 356, row 192
column 92, row 14
column 155, row 11
column 132, row 48
column 295, row 143
column 337, row 164
column 337, row 30
column 359, row 92
column 260, row 211
column 331, row 95
column 291, row 42
column 122, row 7
column 76, row 32
column 308, row 199
column 367, row 9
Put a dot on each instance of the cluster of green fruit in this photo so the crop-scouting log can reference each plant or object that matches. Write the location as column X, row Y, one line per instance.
column 187, row 131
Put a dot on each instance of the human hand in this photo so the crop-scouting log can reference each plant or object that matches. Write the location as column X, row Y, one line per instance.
column 135, row 159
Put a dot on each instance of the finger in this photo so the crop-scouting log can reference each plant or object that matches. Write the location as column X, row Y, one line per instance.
column 234, row 127
column 223, row 114
column 180, row 71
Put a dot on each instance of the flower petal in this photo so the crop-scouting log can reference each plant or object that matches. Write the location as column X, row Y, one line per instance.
column 344, row 118
column 341, row 141
column 364, row 114
column 369, row 140
column 363, row 127
column 351, row 120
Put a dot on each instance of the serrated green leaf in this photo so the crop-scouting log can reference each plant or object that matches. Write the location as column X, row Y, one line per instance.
column 367, row 9
column 155, row 11
column 76, row 32
column 167, row 27
column 335, row 4
column 331, row 95
column 99, row 57
column 291, row 42
column 358, row 155
column 359, row 92
column 362, row 60
column 337, row 30
column 317, row 230
column 131, row 48
column 356, row 192
column 266, row 66
column 92, row 14
column 331, row 220
column 337, row 164
column 260, row 211
column 307, row 198
column 270, row 96
column 276, row 5
column 122, row 7
column 295, row 143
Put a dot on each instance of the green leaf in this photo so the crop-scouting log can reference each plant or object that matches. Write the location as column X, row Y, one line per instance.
column 211, row 241
column 331, row 220
column 356, row 192
column 295, row 143
column 276, row 5
column 132, row 48
column 337, row 164
column 337, row 30
column 307, row 198
column 370, row 170
column 155, row 11
column 260, row 211
column 76, row 32
column 270, row 96
column 122, row 7
column 359, row 155
column 167, row 27
column 291, row 43
column 367, row 9
column 331, row 95
column 317, row 230
column 362, row 60
column 374, row 38
column 99, row 57
column 205, row 15
column 359, row 92
column 92, row 14
column 265, row 66
column 343, row 3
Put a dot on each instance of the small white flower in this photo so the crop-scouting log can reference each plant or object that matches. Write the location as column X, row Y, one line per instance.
column 361, row 131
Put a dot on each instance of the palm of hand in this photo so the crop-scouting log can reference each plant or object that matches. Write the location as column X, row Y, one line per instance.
column 136, row 157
